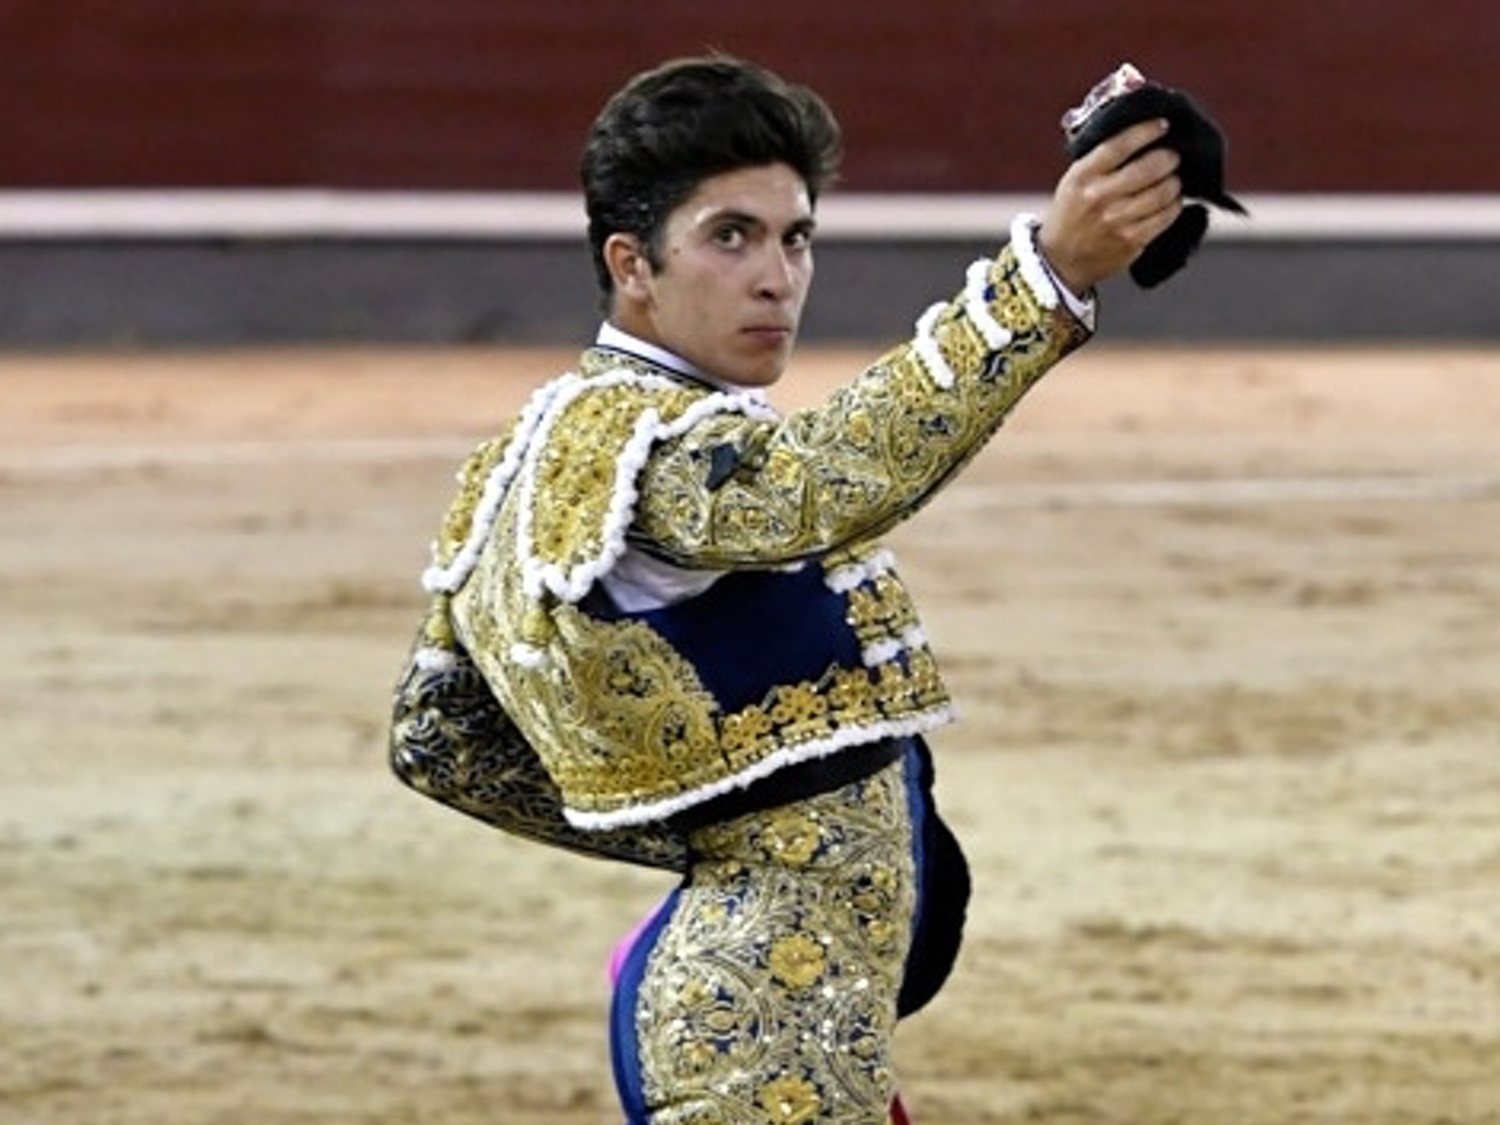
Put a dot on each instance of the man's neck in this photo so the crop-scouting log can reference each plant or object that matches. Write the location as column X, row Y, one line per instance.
column 614, row 338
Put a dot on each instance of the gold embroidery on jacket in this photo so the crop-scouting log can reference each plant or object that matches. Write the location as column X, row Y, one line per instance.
column 620, row 717
column 620, row 721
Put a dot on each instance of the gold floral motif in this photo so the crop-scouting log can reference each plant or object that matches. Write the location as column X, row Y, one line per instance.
column 792, row 838
column 797, row 961
column 575, row 476
column 864, row 610
column 927, row 684
column 861, row 429
column 790, row 1101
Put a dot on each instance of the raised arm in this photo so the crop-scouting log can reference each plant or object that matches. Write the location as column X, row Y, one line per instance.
column 735, row 492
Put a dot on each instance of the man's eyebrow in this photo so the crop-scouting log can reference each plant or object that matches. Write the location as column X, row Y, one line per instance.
column 745, row 218
column 730, row 215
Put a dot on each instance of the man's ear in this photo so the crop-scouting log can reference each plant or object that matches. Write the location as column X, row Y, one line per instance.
column 629, row 267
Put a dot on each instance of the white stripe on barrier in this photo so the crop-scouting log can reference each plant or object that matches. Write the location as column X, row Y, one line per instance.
column 554, row 216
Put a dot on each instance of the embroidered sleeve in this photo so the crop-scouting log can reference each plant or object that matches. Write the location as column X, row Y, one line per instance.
column 451, row 740
column 734, row 491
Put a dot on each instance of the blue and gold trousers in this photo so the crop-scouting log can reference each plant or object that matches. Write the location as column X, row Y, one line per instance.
column 767, row 987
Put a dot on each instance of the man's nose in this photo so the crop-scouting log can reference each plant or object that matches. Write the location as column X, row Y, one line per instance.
column 776, row 276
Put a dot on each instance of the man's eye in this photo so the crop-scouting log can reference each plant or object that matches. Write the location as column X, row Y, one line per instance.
column 731, row 238
column 798, row 239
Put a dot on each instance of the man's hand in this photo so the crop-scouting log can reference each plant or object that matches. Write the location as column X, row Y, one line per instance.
column 1107, row 208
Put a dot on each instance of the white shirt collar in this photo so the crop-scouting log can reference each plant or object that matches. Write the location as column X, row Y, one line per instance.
column 618, row 340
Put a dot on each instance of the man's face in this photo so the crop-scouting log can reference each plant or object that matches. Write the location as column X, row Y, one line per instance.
column 735, row 264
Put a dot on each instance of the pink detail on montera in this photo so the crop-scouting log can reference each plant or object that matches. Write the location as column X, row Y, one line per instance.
column 1122, row 80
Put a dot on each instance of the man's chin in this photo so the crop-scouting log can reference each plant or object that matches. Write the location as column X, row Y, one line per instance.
column 766, row 369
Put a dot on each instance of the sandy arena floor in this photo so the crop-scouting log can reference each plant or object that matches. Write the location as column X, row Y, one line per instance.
column 1225, row 629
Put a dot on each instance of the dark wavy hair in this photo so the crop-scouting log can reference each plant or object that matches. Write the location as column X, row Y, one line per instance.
column 671, row 128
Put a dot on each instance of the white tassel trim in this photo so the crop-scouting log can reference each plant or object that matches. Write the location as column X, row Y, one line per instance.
column 429, row 659
column 537, row 575
column 845, row 578
column 1033, row 270
column 977, row 306
column 925, row 344
column 447, row 579
column 880, row 652
column 912, row 637
column 788, row 756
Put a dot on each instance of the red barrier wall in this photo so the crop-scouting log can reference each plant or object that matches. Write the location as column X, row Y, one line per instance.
column 1317, row 95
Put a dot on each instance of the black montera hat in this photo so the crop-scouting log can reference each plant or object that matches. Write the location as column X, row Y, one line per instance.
column 1126, row 98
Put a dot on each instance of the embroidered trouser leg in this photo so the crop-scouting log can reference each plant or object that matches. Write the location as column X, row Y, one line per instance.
column 765, row 990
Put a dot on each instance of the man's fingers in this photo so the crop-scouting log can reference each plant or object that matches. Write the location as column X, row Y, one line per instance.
column 1145, row 203
column 1109, row 155
column 1107, row 190
column 1144, row 231
column 1141, row 175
